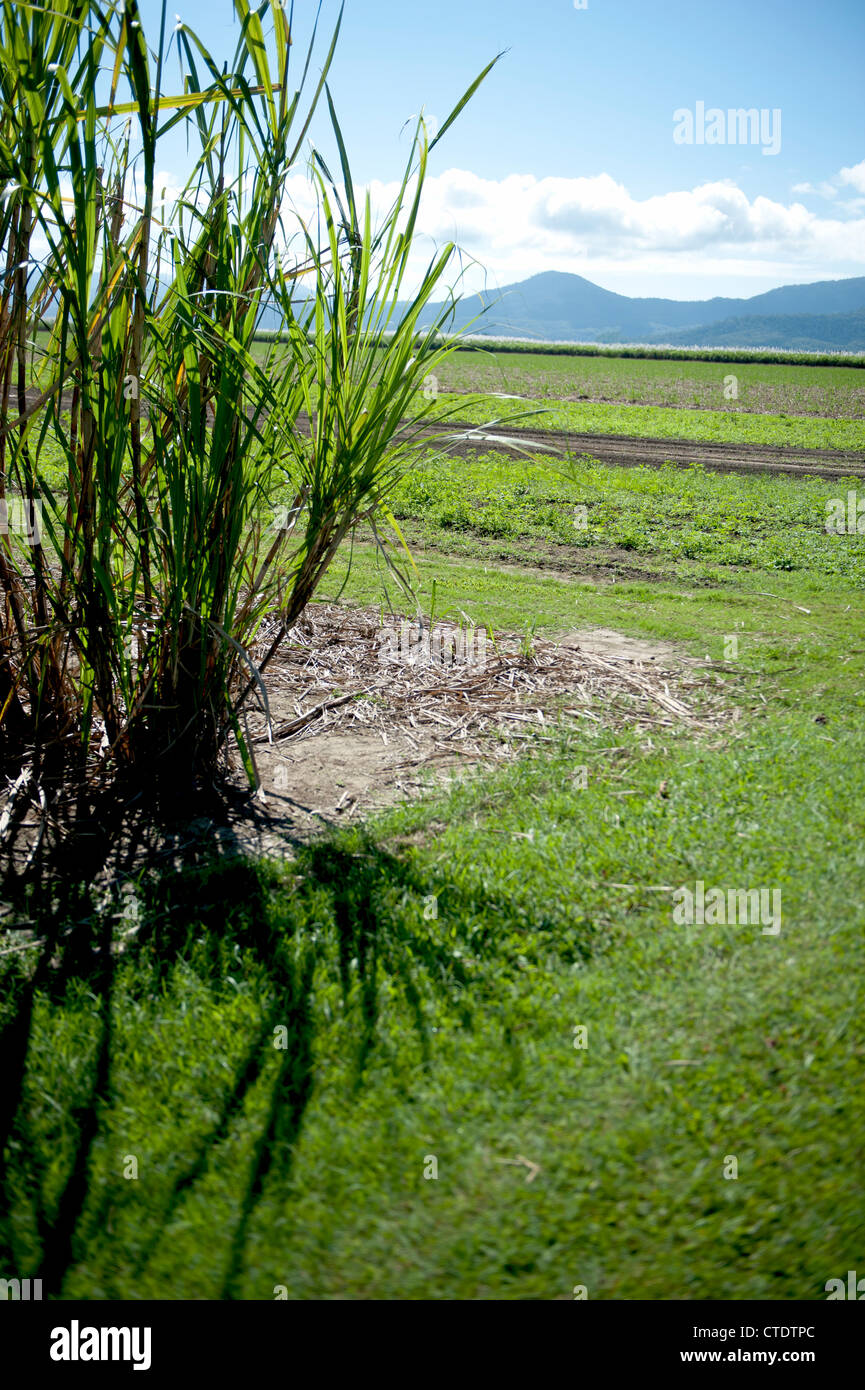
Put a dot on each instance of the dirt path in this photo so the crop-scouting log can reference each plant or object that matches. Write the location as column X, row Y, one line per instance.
column 632, row 451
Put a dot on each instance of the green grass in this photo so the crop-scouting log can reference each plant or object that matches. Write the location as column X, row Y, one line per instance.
column 413, row 1036
column 759, row 388
column 460, row 1047
column 504, row 507
column 658, row 422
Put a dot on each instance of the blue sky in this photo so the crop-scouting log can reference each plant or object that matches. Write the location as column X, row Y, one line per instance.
column 566, row 158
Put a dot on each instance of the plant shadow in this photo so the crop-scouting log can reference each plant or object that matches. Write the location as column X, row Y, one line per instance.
column 209, row 907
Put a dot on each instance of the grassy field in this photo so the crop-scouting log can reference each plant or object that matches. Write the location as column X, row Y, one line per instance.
column 759, row 388
column 382, row 1145
column 490, row 505
column 776, row 404
column 660, row 422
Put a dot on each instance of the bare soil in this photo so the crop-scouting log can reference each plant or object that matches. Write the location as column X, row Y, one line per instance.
column 634, row 451
column 328, row 760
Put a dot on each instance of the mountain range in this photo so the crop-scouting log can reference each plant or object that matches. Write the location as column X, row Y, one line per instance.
column 826, row 316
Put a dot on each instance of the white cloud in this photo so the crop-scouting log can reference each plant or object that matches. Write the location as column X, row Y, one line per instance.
column 826, row 189
column 710, row 239
column 520, row 225
column 855, row 176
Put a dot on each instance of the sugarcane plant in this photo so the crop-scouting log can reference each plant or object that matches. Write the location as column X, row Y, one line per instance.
column 143, row 446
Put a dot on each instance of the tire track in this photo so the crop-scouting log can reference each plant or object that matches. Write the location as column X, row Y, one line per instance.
column 634, row 451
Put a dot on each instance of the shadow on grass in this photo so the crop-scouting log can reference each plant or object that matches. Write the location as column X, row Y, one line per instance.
column 209, row 909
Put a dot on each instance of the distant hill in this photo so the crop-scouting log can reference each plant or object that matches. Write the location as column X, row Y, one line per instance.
column 795, row 332
column 561, row 307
